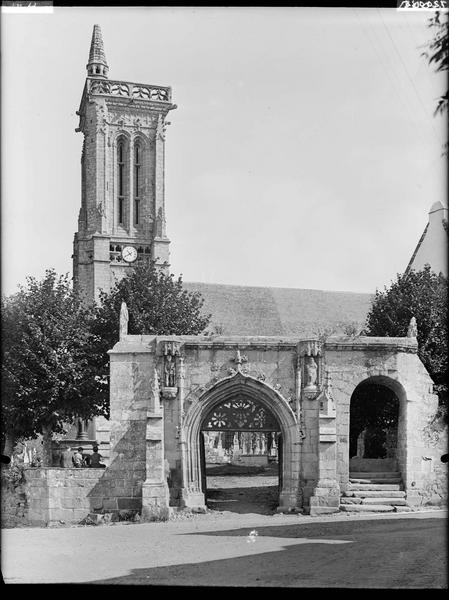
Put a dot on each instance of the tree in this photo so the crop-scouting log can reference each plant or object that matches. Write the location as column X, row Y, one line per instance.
column 437, row 54
column 157, row 304
column 49, row 361
column 423, row 295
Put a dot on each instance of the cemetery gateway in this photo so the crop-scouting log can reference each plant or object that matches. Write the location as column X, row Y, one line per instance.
column 177, row 402
column 297, row 391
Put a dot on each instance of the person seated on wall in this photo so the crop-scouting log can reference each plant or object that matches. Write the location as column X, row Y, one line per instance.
column 77, row 458
column 95, row 458
column 86, row 459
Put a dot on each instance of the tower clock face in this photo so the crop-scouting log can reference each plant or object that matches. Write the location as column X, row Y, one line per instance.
column 129, row 254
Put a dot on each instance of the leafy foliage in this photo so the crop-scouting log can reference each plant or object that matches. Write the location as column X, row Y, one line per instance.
column 421, row 294
column 157, row 304
column 437, row 54
column 55, row 366
column 49, row 375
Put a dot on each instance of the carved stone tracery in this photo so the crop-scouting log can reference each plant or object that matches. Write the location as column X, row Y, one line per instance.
column 130, row 90
column 240, row 412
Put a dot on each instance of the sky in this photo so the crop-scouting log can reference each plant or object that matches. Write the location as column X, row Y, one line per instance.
column 303, row 153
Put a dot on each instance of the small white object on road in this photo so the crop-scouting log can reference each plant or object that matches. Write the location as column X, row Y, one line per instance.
column 252, row 536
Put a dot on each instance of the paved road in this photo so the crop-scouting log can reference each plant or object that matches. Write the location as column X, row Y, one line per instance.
column 216, row 549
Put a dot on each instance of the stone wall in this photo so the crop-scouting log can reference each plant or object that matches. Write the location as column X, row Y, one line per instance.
column 50, row 496
column 394, row 363
column 430, row 486
column 131, row 381
column 14, row 504
column 316, row 456
column 155, row 459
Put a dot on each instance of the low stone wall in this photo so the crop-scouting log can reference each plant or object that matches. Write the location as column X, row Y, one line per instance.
column 61, row 495
column 434, row 490
column 430, row 487
column 14, row 505
column 50, row 496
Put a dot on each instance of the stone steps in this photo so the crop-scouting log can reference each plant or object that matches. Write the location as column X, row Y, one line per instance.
column 374, row 492
column 374, row 501
column 393, row 501
column 375, row 475
column 367, row 508
column 378, row 480
column 381, row 487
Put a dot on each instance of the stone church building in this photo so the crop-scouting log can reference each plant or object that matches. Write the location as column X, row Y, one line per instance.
column 265, row 370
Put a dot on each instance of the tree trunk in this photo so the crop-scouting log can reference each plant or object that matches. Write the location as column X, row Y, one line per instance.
column 47, row 437
column 10, row 442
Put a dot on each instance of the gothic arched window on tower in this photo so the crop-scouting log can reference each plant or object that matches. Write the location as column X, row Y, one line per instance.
column 121, row 181
column 137, row 181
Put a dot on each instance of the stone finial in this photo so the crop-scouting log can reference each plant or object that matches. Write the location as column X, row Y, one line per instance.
column 124, row 317
column 239, row 359
column 97, row 65
column 412, row 331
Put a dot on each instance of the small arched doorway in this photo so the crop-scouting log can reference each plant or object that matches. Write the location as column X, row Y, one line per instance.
column 373, row 432
column 240, row 450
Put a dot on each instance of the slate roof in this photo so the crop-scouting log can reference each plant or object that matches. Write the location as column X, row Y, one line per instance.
column 242, row 310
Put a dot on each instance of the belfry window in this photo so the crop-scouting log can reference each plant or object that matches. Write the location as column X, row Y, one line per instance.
column 121, row 169
column 121, row 183
column 137, row 181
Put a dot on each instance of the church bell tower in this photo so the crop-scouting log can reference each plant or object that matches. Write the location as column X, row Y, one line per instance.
column 122, row 215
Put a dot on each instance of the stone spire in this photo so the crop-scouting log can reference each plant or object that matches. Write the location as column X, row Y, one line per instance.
column 97, row 65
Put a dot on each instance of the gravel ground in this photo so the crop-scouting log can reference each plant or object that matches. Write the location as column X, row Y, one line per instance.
column 242, row 490
column 239, row 542
column 244, row 550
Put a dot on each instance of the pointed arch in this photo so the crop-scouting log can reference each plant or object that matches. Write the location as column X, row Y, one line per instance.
column 274, row 403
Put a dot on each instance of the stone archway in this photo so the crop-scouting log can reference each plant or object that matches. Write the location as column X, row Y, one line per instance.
column 377, row 425
column 275, row 405
column 241, row 463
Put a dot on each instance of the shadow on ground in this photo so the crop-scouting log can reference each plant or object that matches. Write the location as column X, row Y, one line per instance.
column 399, row 554
column 254, row 500
column 336, row 529
column 247, row 470
column 242, row 489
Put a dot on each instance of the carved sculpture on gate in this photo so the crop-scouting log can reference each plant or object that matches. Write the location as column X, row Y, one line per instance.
column 311, row 372
column 124, row 318
column 309, row 367
column 239, row 360
column 171, row 353
column 169, row 371
column 327, row 425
